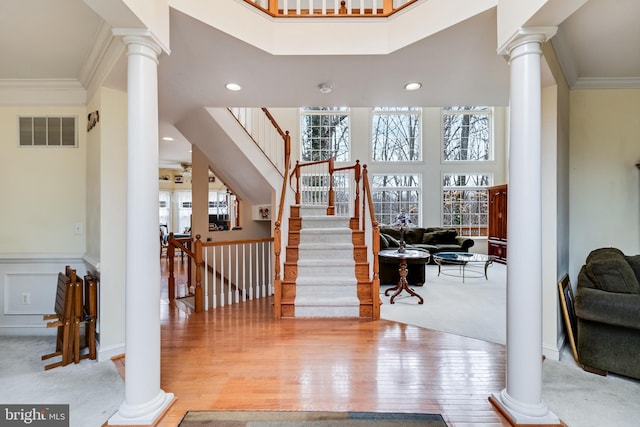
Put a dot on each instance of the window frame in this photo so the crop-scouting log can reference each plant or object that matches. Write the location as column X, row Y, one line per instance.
column 415, row 216
column 484, row 110
column 318, row 111
column 477, row 188
column 378, row 111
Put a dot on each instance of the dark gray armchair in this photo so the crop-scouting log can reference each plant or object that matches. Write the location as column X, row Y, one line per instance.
column 608, row 311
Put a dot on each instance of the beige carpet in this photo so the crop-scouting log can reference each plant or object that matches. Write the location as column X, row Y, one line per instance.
column 475, row 308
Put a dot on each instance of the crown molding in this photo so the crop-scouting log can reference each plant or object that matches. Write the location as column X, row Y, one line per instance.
column 42, row 92
column 607, row 83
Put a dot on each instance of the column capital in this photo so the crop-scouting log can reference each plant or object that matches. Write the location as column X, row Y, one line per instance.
column 140, row 36
column 526, row 35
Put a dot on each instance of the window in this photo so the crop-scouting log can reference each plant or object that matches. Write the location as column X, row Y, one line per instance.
column 324, row 134
column 393, row 194
column 396, row 134
column 47, row 131
column 465, row 203
column 466, row 134
column 165, row 208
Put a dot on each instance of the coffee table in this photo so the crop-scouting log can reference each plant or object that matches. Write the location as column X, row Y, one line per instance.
column 466, row 264
column 402, row 257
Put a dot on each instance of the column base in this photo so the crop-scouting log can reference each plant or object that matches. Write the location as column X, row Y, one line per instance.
column 148, row 419
column 516, row 418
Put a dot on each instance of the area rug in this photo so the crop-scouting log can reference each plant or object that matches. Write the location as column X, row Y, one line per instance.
column 308, row 419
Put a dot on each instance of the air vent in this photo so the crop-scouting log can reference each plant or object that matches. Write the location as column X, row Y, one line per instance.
column 47, row 131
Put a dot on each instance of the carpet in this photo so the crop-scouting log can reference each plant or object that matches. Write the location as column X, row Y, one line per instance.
column 308, row 419
column 474, row 309
column 93, row 390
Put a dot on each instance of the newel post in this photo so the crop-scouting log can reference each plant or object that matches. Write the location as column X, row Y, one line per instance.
column 331, row 208
column 297, row 182
column 357, row 172
column 197, row 252
column 171, row 284
column 277, row 282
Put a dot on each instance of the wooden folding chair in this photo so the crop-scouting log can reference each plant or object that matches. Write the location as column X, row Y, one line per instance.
column 62, row 319
column 77, row 316
column 90, row 313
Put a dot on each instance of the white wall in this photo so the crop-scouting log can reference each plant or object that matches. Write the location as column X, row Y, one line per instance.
column 42, row 188
column 42, row 199
column 604, row 179
column 113, row 225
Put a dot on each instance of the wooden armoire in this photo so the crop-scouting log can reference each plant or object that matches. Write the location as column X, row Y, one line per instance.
column 497, row 241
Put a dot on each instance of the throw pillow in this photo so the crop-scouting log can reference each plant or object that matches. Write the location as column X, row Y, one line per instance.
column 384, row 243
column 429, row 238
column 613, row 274
column 393, row 243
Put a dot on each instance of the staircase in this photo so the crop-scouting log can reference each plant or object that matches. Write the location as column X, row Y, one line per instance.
column 326, row 273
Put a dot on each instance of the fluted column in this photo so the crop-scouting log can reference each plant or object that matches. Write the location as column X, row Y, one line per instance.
column 144, row 400
column 521, row 400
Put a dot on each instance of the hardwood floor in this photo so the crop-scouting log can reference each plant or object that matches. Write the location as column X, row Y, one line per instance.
column 238, row 357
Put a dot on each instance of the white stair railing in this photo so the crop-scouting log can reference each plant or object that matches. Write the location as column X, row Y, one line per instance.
column 260, row 128
column 237, row 271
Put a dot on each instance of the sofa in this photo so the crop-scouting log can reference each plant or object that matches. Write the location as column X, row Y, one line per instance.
column 607, row 306
column 431, row 239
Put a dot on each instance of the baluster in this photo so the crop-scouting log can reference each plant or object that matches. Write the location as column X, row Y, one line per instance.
column 269, row 268
column 214, row 277
column 229, row 283
column 310, row 7
column 237, row 291
column 324, row 7
column 199, row 267
column 374, row 7
column 222, row 300
column 206, row 279
column 250, row 274
column 264, row 271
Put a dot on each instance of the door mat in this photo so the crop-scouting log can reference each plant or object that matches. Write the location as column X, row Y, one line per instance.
column 308, row 419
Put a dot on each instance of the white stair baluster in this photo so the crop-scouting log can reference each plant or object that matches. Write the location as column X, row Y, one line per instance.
column 250, row 273
column 229, row 291
column 221, row 277
column 237, row 291
column 206, row 279
column 214, row 287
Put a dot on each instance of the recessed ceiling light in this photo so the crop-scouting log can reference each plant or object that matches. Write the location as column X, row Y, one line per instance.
column 167, row 138
column 325, row 87
column 413, row 86
column 233, row 86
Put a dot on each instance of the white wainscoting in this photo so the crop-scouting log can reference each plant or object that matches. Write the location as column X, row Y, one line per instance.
column 28, row 290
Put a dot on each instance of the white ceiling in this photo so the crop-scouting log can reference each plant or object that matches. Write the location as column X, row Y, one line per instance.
column 42, row 39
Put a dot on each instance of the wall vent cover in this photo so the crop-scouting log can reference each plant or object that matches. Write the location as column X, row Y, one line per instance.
column 47, row 131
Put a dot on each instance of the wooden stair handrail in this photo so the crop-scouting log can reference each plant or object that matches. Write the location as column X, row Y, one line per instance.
column 375, row 239
column 277, row 231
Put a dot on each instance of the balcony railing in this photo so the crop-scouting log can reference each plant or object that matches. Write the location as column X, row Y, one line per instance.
column 330, row 8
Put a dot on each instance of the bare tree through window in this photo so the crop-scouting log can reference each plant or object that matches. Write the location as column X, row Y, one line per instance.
column 396, row 134
column 466, row 134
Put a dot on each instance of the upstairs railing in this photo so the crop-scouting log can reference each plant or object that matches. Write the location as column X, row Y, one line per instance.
column 330, row 8
column 265, row 133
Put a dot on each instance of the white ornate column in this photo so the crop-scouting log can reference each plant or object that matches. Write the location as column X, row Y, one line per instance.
column 521, row 400
column 144, row 401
